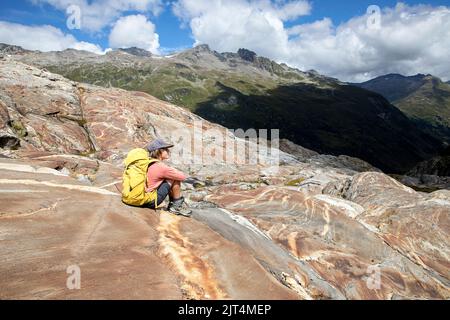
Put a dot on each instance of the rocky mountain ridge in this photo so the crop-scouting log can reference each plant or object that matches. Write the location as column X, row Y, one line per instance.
column 243, row 90
column 425, row 99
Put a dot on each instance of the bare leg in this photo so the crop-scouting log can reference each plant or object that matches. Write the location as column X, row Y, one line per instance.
column 175, row 191
column 176, row 201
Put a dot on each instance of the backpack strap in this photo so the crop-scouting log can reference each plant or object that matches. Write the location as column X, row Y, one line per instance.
column 153, row 161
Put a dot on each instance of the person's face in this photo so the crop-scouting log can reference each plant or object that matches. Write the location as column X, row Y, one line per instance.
column 165, row 154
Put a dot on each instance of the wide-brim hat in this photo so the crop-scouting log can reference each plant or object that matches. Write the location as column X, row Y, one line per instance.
column 158, row 144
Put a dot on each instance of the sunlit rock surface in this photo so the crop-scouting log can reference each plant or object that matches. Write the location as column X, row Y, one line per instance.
column 345, row 241
column 50, row 222
column 314, row 227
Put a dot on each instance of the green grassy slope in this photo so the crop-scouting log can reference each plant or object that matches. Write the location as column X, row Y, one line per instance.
column 423, row 98
column 246, row 91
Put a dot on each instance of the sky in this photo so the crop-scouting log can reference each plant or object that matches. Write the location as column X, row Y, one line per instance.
column 350, row 40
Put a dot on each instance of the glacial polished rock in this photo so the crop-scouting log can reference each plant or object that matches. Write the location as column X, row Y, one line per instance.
column 342, row 241
column 50, row 223
column 313, row 227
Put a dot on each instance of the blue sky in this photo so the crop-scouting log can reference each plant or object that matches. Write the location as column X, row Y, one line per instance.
column 303, row 39
column 168, row 26
column 172, row 35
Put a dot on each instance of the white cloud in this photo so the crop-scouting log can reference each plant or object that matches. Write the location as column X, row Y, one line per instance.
column 134, row 31
column 230, row 25
column 97, row 14
column 293, row 10
column 411, row 39
column 87, row 46
column 43, row 38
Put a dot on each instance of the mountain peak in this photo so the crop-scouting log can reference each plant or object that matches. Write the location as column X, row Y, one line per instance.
column 11, row 49
column 393, row 75
column 395, row 86
column 247, row 55
column 313, row 72
column 398, row 76
column 139, row 52
column 422, row 97
column 202, row 47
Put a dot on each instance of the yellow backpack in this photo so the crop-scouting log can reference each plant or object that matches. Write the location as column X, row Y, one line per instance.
column 135, row 178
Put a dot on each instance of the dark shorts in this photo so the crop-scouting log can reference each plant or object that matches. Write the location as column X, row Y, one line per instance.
column 163, row 191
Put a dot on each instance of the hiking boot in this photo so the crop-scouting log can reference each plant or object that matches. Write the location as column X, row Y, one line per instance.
column 179, row 207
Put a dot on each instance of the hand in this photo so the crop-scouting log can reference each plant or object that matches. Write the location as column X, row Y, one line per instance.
column 195, row 182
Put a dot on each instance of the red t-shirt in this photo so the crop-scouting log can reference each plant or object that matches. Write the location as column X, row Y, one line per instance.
column 158, row 172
